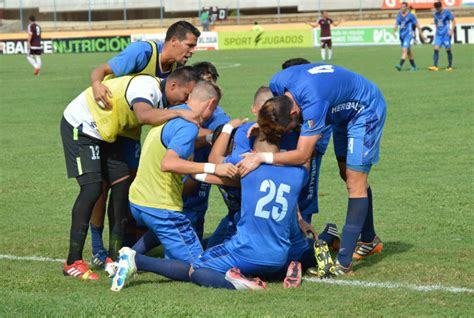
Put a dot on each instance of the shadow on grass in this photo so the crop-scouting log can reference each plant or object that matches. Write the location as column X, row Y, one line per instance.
column 389, row 249
column 146, row 281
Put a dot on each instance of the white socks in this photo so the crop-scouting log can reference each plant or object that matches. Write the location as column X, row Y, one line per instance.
column 323, row 54
column 329, row 53
column 35, row 60
column 38, row 60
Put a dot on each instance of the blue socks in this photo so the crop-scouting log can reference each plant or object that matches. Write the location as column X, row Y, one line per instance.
column 356, row 215
column 450, row 58
column 170, row 268
column 146, row 243
column 435, row 57
column 96, row 236
column 206, row 277
column 368, row 231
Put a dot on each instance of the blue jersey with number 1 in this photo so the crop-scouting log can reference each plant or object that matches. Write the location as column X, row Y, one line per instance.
column 269, row 201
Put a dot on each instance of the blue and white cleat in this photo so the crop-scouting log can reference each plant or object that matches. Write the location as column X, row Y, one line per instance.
column 126, row 268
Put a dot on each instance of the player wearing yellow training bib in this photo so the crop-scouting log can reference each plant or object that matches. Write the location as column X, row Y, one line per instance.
column 155, row 194
column 88, row 134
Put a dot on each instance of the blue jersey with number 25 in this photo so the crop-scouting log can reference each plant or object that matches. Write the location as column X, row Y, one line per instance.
column 269, row 200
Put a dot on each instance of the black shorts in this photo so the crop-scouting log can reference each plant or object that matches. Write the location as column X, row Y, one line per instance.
column 35, row 52
column 87, row 155
column 326, row 43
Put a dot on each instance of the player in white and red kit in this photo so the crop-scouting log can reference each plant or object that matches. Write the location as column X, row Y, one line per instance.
column 325, row 24
column 34, row 44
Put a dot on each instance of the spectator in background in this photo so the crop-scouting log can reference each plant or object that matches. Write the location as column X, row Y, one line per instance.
column 257, row 27
column 205, row 20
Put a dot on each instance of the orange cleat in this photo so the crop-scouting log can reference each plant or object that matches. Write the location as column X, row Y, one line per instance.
column 365, row 249
column 293, row 275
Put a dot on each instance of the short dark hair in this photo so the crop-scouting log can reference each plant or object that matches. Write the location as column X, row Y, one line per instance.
column 274, row 118
column 180, row 29
column 184, row 74
column 438, row 5
column 293, row 62
column 204, row 68
column 32, row 18
column 405, row 3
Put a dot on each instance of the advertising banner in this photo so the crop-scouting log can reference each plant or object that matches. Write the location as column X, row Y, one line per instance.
column 421, row 4
column 69, row 45
column 383, row 35
column 265, row 39
column 207, row 41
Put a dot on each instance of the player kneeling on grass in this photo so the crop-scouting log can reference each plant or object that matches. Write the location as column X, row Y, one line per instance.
column 261, row 244
column 156, row 193
column 89, row 134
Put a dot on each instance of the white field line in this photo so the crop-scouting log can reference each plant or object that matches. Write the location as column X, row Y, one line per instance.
column 390, row 285
column 352, row 283
column 31, row 258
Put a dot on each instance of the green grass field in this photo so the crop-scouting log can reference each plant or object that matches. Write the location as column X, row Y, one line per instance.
column 423, row 195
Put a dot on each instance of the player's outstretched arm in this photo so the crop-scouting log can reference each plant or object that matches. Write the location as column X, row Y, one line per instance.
column 148, row 115
column 213, row 179
column 101, row 92
column 313, row 25
column 171, row 162
column 296, row 157
column 202, row 140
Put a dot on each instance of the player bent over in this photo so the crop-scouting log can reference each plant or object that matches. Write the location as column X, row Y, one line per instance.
column 356, row 109
column 89, row 134
column 442, row 19
column 156, row 193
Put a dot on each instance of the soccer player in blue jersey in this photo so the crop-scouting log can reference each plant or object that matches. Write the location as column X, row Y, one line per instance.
column 406, row 21
column 355, row 107
column 443, row 18
column 261, row 245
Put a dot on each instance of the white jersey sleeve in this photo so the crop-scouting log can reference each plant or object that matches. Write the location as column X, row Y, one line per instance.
column 145, row 89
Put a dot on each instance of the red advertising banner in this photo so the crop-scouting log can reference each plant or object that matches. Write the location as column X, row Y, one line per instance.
column 419, row 4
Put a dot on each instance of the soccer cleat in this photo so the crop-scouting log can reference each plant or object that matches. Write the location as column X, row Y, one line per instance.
column 340, row 270
column 398, row 67
column 365, row 249
column 126, row 268
column 433, row 68
column 413, row 69
column 37, row 71
column 80, row 270
column 331, row 229
column 240, row 282
column 293, row 275
column 449, row 69
column 100, row 260
column 324, row 259
column 111, row 268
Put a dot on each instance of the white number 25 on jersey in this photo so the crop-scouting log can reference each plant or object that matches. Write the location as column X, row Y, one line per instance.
column 321, row 69
column 269, row 185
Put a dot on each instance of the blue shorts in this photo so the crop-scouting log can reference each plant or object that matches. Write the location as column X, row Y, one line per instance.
column 220, row 259
column 406, row 42
column 442, row 40
column 359, row 140
column 173, row 230
column 308, row 199
column 197, row 221
column 131, row 150
column 323, row 143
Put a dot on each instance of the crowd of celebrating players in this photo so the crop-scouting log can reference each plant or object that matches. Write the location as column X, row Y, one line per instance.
column 266, row 170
